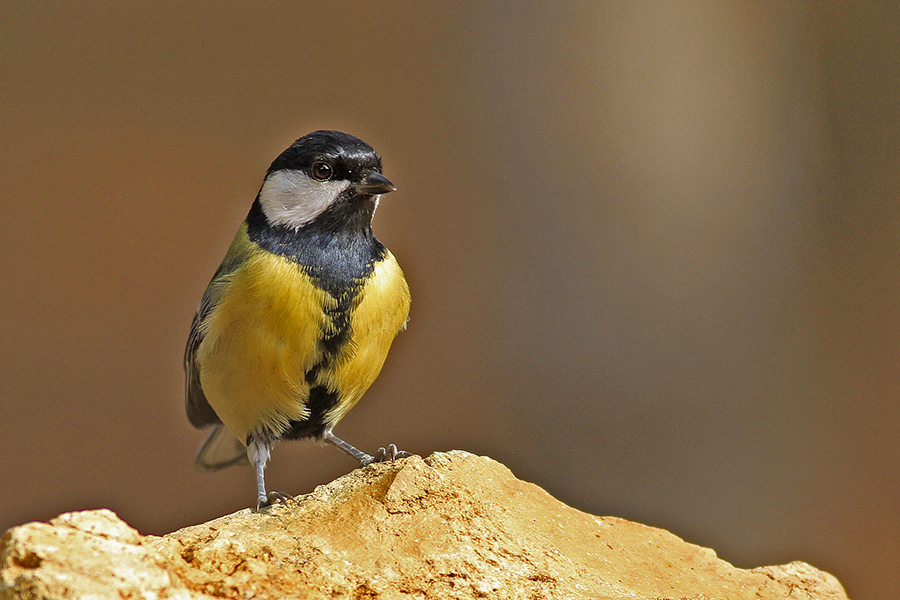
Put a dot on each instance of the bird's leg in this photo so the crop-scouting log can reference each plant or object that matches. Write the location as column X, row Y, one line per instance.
column 391, row 453
column 361, row 457
column 259, row 453
column 259, row 450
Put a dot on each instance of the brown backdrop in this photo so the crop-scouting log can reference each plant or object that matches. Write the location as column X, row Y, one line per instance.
column 654, row 252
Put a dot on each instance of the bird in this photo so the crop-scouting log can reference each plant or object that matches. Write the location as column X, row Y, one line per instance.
column 297, row 321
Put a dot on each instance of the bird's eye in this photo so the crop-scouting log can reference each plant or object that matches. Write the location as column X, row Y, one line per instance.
column 322, row 171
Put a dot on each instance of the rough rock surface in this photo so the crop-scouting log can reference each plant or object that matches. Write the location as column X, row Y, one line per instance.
column 451, row 526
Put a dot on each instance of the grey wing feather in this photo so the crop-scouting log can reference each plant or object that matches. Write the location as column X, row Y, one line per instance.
column 221, row 449
column 199, row 412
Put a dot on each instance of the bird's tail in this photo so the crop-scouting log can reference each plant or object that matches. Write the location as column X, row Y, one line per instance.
column 220, row 449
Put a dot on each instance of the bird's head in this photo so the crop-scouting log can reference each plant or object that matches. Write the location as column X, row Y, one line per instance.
column 322, row 172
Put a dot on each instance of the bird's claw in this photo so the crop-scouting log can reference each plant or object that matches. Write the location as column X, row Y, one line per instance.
column 390, row 453
column 272, row 498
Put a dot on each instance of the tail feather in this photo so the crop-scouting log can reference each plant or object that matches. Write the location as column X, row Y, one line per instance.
column 220, row 449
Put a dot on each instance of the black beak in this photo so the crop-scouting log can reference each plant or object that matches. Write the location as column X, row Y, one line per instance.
column 374, row 184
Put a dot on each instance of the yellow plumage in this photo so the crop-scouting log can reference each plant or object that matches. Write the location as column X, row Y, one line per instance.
column 381, row 312
column 261, row 337
column 298, row 320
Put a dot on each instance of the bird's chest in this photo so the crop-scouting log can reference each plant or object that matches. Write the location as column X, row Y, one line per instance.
column 266, row 336
column 276, row 333
column 293, row 320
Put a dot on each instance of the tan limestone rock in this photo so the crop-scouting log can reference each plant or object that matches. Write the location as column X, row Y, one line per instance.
column 451, row 526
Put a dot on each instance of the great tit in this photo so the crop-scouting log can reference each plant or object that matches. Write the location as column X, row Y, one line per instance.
column 297, row 322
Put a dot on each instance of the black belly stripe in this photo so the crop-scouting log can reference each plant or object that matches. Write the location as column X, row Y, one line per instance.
column 339, row 252
column 321, row 401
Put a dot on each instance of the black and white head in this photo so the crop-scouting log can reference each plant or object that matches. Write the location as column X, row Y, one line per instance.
column 323, row 174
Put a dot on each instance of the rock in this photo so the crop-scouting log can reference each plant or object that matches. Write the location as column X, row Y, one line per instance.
column 89, row 554
column 451, row 526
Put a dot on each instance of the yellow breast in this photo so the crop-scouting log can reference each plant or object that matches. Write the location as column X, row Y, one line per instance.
column 263, row 334
column 380, row 314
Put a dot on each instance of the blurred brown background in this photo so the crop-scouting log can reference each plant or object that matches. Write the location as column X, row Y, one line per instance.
column 654, row 251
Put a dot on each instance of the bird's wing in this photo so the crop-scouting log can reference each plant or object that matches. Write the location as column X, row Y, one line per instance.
column 199, row 412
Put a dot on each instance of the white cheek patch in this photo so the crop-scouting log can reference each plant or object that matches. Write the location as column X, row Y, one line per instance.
column 293, row 199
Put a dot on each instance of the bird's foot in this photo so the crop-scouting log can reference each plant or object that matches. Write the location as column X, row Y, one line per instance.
column 272, row 498
column 388, row 454
column 383, row 455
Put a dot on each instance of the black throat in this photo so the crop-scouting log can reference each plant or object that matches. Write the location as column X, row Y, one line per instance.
column 337, row 249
